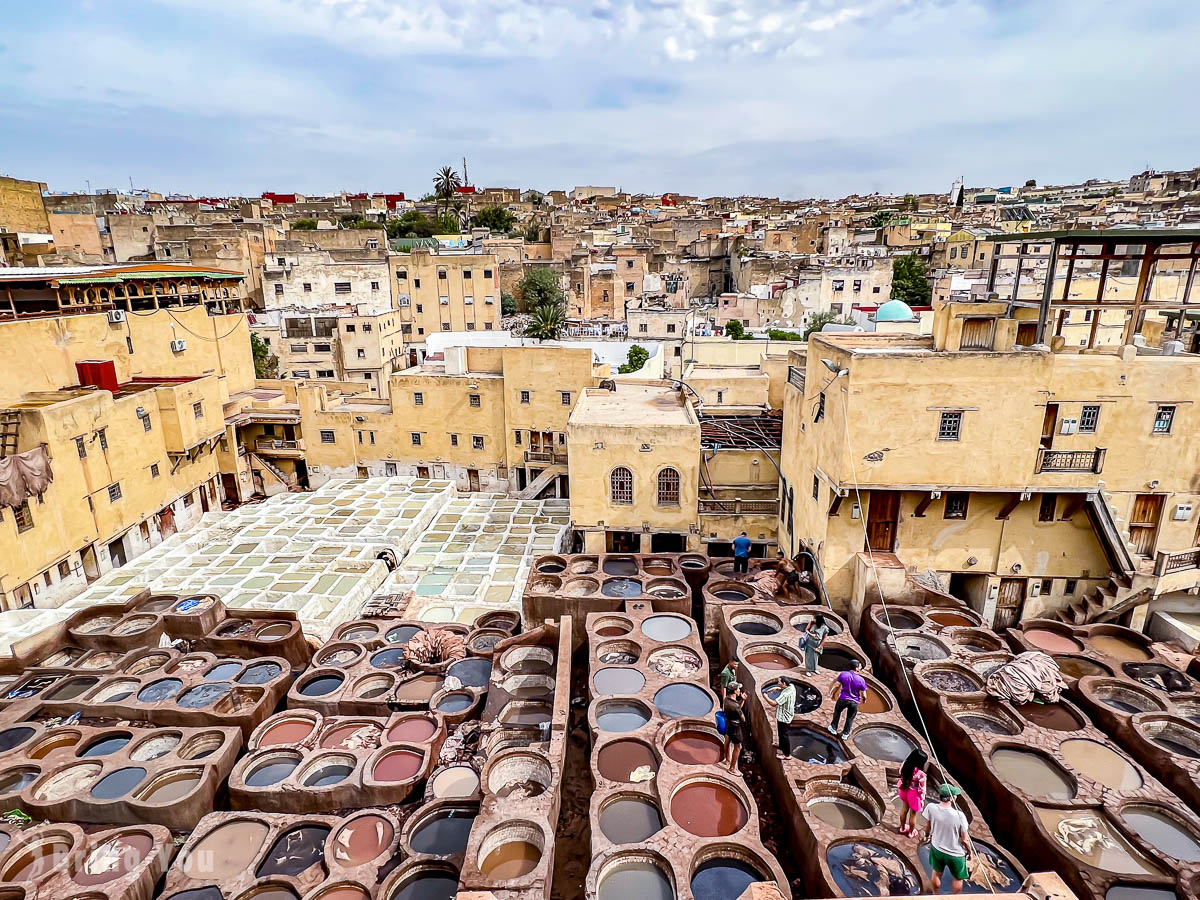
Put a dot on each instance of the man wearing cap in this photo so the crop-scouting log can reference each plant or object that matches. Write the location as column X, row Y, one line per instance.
column 949, row 840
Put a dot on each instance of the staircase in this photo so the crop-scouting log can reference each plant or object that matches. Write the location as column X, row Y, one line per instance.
column 1126, row 586
column 539, row 484
column 279, row 474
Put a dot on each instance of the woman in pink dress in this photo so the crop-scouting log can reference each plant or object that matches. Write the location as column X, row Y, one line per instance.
column 912, row 790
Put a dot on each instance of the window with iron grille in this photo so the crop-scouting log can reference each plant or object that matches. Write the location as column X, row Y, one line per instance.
column 477, row 442
column 1089, row 417
column 416, row 438
column 341, row 287
column 153, row 470
column 198, row 410
column 950, row 426
column 956, row 506
column 23, row 517
column 454, row 440
column 621, row 485
column 566, row 397
column 524, row 396
column 668, row 487
column 1046, row 509
column 517, row 437
column 114, row 493
column 418, row 398
column 103, row 433
column 146, row 426
column 81, row 448
column 327, row 436
column 1163, row 419
column 474, row 399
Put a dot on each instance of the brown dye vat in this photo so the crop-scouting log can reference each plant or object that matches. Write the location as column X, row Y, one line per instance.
column 38, row 860
column 114, row 858
column 612, row 631
column 44, row 749
column 1052, row 641
column 291, row 731
column 273, row 892
column 770, row 661
column 694, row 748
column 1050, row 715
column 146, row 663
column 1100, row 763
column 617, row 760
column 708, row 809
column 950, row 619
column 874, row 702
column 1032, row 773
column 417, row 730
column 172, row 787
column 1119, row 647
column 361, row 840
column 1079, row 667
column 420, row 689
column 225, row 851
column 344, row 892
column 512, row 860
column 360, row 736
column 399, row 765
column 841, row 813
column 1086, row 835
column 274, row 632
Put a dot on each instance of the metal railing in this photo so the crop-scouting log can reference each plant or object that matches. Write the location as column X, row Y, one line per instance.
column 796, row 377
column 267, row 445
column 1165, row 563
column 736, row 506
column 1070, row 460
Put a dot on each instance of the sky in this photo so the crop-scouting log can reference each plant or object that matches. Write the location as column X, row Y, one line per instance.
column 789, row 98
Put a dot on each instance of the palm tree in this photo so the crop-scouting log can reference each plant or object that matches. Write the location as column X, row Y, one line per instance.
column 445, row 183
column 548, row 322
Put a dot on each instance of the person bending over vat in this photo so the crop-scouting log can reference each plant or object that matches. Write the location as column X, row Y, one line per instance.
column 734, row 709
column 912, row 789
column 949, row 840
column 853, row 689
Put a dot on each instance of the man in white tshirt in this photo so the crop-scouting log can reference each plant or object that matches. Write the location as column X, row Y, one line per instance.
column 949, row 840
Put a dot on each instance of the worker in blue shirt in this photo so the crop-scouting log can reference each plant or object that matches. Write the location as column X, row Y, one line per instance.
column 741, row 553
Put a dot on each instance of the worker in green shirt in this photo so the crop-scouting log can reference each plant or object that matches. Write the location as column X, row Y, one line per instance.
column 785, row 710
column 727, row 679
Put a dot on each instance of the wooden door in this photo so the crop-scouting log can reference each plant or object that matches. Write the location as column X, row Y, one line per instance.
column 1049, row 421
column 473, row 479
column 1026, row 334
column 1143, row 523
column 1009, row 603
column 881, row 521
column 422, row 471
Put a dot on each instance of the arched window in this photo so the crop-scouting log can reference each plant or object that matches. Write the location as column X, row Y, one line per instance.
column 621, row 483
column 668, row 487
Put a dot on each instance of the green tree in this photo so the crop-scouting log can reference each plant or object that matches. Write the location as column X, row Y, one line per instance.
column 777, row 334
column 549, row 321
column 304, row 225
column 735, row 330
column 508, row 304
column 266, row 364
column 445, row 183
column 821, row 319
column 410, row 225
column 882, row 218
column 910, row 202
column 540, row 287
column 910, row 281
column 533, row 233
column 636, row 359
column 447, row 223
column 497, row 218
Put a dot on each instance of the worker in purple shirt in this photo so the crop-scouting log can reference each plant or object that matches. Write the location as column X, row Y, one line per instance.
column 854, row 690
column 741, row 553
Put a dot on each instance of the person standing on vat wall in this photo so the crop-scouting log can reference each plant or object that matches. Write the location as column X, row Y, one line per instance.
column 785, row 711
column 813, row 636
column 733, row 708
column 853, row 689
column 741, row 553
column 727, row 678
column 949, row 840
column 912, row 789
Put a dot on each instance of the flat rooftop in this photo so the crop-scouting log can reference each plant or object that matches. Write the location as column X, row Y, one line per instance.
column 632, row 404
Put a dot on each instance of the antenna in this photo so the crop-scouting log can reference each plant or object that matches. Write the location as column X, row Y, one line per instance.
column 466, row 181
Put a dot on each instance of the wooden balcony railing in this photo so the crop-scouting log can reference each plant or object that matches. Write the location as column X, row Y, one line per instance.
column 796, row 377
column 267, row 445
column 1165, row 563
column 736, row 506
column 1070, row 460
column 546, row 457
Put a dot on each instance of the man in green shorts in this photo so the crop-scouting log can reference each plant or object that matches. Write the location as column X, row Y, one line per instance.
column 949, row 840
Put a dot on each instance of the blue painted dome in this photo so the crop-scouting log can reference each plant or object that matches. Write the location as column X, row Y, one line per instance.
column 894, row 311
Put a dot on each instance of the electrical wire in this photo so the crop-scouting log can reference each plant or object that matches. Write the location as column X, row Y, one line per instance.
column 886, row 612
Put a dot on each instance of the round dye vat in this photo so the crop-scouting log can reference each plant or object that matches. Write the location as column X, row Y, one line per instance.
column 617, row 760
column 612, row 630
column 864, row 869
column 1054, row 716
column 819, row 748
column 1119, row 647
column 114, row 691
column 676, row 701
column 764, row 659
column 722, row 878
column 225, row 851
column 99, row 660
column 355, row 736
column 13, row 737
column 899, row 620
column 96, row 624
column 274, row 632
column 72, row 688
column 119, row 783
column 399, row 765
column 837, row 660
column 1033, row 773
column 157, row 691
column 295, row 851
column 1089, row 836
column 629, row 820
column 986, row 724
column 1163, row 832
column 732, row 595
column 273, row 771
column 274, row 892
column 107, row 745
column 1003, row 877
column 401, row 634
column 808, row 697
column 526, row 714
column 950, row 619
column 341, row 892
column 1155, row 675
column 173, row 786
column 708, row 809
column 15, row 780
column 202, row 745
column 694, row 748
column 618, row 717
column 514, row 859
column 362, row 839
column 1052, row 641
column 38, row 860
column 419, row 689
column 415, row 730
column 884, row 743
column 289, row 731
column 472, row 672
column 618, row 680
column 1079, row 667
column 635, row 878
column 758, row 628
column 618, row 565
column 1100, row 763
column 339, row 659
column 875, row 701
column 666, row 628
column 391, row 658
column 621, row 587
column 146, row 663
column 1138, row 892
column 1173, row 745
column 321, row 685
column 455, row 781
column 332, row 772
column 949, row 681
column 443, row 833
column 428, row 884
column 155, row 747
column 114, row 858
column 59, row 742
column 223, row 671
column 203, row 695
column 260, row 673
column 841, row 812
column 455, row 702
column 68, row 782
